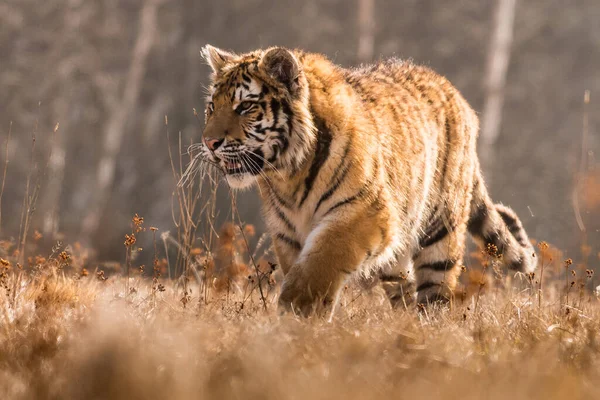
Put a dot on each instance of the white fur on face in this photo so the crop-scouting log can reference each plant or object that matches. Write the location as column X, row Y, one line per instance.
column 241, row 181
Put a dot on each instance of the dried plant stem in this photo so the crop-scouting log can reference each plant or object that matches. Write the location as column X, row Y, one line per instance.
column 541, row 283
column 164, row 239
column 567, row 286
column 481, row 284
column 258, row 274
column 5, row 169
column 155, row 272
column 127, row 265
column 185, row 211
column 29, row 201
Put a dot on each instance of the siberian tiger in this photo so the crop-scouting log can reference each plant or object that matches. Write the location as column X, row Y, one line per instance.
column 360, row 171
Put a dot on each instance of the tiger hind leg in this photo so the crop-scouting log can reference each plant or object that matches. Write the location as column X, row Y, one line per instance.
column 438, row 265
column 398, row 281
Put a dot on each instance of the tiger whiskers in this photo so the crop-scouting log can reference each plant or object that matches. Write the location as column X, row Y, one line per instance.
column 245, row 161
column 195, row 165
column 259, row 171
column 269, row 164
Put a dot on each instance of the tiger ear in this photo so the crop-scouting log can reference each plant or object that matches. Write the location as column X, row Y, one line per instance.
column 282, row 65
column 216, row 58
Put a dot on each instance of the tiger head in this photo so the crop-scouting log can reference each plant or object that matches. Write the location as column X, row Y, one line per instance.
column 257, row 118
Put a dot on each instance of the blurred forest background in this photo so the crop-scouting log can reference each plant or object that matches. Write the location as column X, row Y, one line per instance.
column 109, row 71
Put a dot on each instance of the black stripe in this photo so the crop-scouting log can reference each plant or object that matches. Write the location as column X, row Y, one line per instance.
column 508, row 219
column 259, row 129
column 436, row 297
column 285, row 219
column 477, row 220
column 285, row 143
column 429, row 240
column 275, row 110
column 437, row 229
column 362, row 192
column 439, row 266
column 427, row 285
column 255, row 137
column 345, row 201
column 333, row 188
column 279, row 198
column 288, row 240
column 398, row 297
column 391, row 278
column 321, row 155
column 287, row 110
column 514, row 227
column 516, row 265
column 344, row 158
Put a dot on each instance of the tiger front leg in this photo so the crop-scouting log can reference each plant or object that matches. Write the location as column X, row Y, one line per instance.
column 331, row 254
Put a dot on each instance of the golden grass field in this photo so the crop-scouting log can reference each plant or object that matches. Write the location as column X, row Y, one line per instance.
column 69, row 333
column 201, row 322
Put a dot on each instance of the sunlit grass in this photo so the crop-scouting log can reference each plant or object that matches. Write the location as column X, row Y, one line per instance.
column 66, row 333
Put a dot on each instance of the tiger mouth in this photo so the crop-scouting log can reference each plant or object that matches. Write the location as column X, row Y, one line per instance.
column 234, row 168
column 251, row 163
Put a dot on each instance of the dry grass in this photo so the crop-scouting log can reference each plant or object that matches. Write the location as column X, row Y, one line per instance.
column 204, row 324
column 68, row 334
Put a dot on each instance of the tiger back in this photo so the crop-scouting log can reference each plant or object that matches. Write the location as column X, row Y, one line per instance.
column 368, row 171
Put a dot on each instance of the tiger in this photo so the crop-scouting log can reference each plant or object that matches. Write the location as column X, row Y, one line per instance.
column 366, row 171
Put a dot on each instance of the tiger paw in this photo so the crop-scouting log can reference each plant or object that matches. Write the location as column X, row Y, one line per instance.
column 300, row 297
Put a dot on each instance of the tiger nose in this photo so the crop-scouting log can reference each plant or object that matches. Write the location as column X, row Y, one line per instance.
column 213, row 143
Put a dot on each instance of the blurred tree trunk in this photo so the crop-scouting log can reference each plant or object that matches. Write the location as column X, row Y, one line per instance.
column 495, row 79
column 366, row 30
column 56, row 164
column 121, row 110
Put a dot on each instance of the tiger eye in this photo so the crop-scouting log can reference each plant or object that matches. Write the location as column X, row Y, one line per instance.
column 244, row 106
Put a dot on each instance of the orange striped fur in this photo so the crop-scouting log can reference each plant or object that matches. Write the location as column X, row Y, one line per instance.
column 361, row 171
